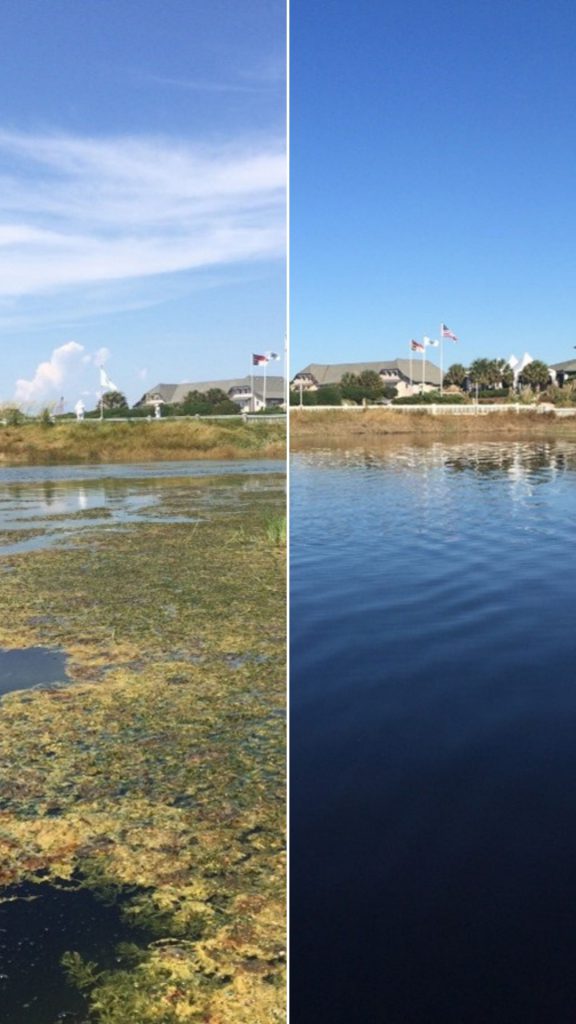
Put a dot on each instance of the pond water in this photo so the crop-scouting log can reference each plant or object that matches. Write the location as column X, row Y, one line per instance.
column 433, row 724
column 38, row 924
column 43, row 505
column 31, row 666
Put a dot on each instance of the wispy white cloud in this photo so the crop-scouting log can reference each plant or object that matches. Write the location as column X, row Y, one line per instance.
column 269, row 70
column 200, row 85
column 70, row 309
column 102, row 356
column 76, row 212
column 262, row 75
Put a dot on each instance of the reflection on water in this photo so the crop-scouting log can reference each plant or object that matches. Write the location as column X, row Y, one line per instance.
column 139, row 470
column 433, row 734
column 47, row 502
column 525, row 458
column 31, row 666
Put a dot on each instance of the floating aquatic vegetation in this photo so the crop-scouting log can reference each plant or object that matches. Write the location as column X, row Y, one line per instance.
column 158, row 771
column 38, row 923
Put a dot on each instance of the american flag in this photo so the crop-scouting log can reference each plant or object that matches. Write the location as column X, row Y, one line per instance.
column 416, row 346
column 259, row 360
column 447, row 333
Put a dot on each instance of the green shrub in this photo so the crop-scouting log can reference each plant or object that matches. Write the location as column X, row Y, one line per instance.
column 430, row 398
column 308, row 397
column 46, row 418
column 12, row 416
column 494, row 394
column 329, row 395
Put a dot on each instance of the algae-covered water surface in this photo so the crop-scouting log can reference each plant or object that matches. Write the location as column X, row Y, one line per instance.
column 142, row 793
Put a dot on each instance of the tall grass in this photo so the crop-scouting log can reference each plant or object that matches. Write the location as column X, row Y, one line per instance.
column 276, row 531
column 309, row 427
column 139, row 441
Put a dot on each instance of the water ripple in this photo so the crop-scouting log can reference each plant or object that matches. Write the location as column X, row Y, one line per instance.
column 433, row 722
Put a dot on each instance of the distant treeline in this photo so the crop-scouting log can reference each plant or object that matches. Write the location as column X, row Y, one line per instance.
column 213, row 402
column 485, row 379
column 366, row 386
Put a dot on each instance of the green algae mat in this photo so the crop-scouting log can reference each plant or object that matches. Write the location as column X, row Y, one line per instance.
column 154, row 776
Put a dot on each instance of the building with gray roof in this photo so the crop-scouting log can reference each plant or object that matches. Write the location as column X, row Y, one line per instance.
column 407, row 375
column 562, row 373
column 248, row 392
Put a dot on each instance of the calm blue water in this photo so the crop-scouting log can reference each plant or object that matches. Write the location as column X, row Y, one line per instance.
column 433, row 724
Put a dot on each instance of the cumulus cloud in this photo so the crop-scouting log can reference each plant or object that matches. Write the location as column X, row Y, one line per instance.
column 50, row 376
column 77, row 212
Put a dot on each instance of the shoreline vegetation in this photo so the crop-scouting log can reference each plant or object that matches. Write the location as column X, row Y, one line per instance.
column 154, row 777
column 137, row 441
column 317, row 426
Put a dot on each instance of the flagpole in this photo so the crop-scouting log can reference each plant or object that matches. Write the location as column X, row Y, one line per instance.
column 286, row 387
column 423, row 364
column 252, row 385
column 264, row 388
column 411, row 386
column 441, row 360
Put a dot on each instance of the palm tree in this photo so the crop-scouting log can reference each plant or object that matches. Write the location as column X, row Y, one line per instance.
column 455, row 374
column 114, row 400
column 535, row 375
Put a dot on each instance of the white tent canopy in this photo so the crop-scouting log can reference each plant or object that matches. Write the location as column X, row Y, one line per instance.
column 518, row 365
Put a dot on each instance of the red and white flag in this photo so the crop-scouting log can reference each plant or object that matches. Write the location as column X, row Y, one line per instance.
column 416, row 346
column 259, row 360
column 447, row 333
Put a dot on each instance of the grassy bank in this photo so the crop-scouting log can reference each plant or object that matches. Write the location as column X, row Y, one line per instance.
column 137, row 440
column 156, row 778
column 310, row 428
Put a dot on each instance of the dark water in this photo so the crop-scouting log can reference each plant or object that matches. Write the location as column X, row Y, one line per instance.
column 38, row 924
column 31, row 666
column 433, row 723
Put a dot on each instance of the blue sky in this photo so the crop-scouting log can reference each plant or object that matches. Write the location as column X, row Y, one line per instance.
column 433, row 178
column 142, row 192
